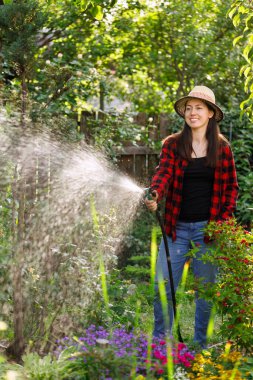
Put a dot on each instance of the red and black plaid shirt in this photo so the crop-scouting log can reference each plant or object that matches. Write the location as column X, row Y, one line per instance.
column 168, row 181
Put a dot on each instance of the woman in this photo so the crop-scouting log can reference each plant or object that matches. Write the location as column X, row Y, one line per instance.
column 197, row 176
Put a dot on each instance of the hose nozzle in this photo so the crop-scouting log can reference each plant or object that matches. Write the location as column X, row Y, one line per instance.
column 148, row 193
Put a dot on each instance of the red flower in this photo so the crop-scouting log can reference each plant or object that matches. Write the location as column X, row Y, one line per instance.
column 162, row 342
column 244, row 241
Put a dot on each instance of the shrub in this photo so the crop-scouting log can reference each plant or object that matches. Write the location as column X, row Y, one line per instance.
column 232, row 252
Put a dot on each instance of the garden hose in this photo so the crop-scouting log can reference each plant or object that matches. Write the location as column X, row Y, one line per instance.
column 148, row 194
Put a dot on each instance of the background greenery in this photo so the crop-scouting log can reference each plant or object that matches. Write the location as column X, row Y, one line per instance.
column 62, row 59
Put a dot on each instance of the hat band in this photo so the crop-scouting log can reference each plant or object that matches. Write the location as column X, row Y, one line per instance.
column 201, row 95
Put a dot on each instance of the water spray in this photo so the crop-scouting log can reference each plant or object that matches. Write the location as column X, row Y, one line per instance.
column 149, row 195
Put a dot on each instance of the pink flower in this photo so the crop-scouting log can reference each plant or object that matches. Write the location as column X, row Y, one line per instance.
column 181, row 346
column 157, row 354
column 162, row 342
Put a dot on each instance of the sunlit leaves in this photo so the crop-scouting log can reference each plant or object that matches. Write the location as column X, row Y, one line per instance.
column 241, row 13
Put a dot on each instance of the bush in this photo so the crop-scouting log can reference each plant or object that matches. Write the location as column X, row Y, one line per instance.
column 232, row 252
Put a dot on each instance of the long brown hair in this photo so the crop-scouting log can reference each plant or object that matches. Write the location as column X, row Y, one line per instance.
column 213, row 136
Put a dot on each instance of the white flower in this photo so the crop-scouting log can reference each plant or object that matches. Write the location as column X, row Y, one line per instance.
column 48, row 62
column 11, row 375
column 79, row 56
column 3, row 326
column 131, row 289
column 60, row 55
column 180, row 374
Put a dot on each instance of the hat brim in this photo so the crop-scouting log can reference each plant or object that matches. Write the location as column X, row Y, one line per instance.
column 179, row 107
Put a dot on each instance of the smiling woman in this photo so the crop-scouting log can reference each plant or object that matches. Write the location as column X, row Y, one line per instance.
column 196, row 175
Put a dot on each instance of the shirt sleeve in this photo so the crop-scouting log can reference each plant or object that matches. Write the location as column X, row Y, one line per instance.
column 164, row 172
column 231, row 187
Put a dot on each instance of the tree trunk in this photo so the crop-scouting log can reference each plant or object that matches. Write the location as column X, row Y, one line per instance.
column 23, row 100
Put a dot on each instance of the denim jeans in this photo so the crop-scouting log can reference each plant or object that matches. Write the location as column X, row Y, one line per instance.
column 206, row 272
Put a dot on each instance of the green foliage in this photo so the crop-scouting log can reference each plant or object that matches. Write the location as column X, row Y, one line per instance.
column 89, row 365
column 137, row 272
column 146, row 55
column 239, row 131
column 137, row 240
column 232, row 252
column 37, row 368
column 126, row 297
column 116, row 131
column 241, row 13
column 19, row 25
column 152, row 56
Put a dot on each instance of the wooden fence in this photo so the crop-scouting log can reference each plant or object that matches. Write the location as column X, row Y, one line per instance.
column 138, row 162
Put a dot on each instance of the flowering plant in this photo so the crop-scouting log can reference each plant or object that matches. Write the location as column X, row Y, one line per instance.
column 221, row 364
column 232, row 253
column 119, row 354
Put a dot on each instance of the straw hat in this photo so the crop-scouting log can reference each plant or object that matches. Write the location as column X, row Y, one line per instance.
column 202, row 93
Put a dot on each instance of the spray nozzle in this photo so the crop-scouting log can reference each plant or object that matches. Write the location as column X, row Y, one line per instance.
column 148, row 193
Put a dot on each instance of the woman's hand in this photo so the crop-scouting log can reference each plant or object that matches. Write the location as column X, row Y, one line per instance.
column 152, row 204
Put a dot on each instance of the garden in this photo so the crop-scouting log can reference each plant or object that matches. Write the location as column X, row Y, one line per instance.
column 86, row 97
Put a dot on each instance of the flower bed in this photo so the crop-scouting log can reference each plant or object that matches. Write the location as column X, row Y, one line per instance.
column 119, row 354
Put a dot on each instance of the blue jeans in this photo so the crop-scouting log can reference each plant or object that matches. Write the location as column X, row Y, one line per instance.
column 206, row 272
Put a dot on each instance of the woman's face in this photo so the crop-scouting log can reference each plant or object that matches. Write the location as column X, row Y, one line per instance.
column 197, row 114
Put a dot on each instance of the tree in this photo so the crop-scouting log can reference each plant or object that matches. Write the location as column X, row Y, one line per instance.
column 241, row 13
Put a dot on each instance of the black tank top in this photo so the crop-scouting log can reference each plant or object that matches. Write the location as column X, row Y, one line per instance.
column 197, row 191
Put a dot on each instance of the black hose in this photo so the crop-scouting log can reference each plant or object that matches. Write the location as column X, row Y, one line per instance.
column 173, row 295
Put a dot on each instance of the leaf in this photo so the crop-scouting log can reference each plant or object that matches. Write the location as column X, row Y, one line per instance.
column 97, row 12
column 236, row 20
column 243, row 9
column 242, row 69
column 237, row 39
column 246, row 52
column 246, row 72
column 248, row 19
column 7, row 2
column 232, row 12
column 84, row 4
column 68, row 353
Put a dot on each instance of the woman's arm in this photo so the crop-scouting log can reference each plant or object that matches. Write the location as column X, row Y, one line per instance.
column 230, row 185
column 164, row 173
